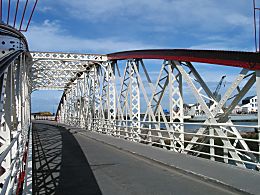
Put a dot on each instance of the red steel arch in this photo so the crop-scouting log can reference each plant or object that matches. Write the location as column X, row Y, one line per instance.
column 248, row 60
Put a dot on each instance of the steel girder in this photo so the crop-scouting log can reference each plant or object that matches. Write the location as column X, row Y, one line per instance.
column 57, row 70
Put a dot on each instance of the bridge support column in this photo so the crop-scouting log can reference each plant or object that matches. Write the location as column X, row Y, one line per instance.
column 176, row 106
column 65, row 105
column 134, row 100
column 77, row 103
column 123, row 111
column 129, row 102
column 109, row 98
column 169, row 78
column 80, row 109
column 70, row 107
column 62, row 116
column 97, row 99
column 89, row 100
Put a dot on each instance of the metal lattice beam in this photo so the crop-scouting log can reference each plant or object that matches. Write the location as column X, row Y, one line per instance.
column 57, row 70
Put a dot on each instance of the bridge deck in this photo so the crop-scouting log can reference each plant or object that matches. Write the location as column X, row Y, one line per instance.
column 70, row 162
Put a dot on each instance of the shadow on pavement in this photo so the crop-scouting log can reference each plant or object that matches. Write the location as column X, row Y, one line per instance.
column 59, row 164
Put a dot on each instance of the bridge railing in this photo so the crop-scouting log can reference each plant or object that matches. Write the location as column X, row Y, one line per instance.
column 213, row 148
column 14, row 110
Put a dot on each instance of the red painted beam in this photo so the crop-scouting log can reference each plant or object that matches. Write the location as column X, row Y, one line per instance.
column 248, row 60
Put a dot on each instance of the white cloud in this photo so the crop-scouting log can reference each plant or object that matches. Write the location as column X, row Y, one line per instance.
column 238, row 19
column 203, row 14
column 183, row 22
column 49, row 36
column 220, row 46
column 44, row 9
column 233, row 42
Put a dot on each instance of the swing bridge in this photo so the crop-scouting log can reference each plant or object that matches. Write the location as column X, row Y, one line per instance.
column 117, row 97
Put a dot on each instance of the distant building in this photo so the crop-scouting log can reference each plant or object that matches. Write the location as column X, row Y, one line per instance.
column 237, row 110
column 194, row 110
column 42, row 116
column 249, row 104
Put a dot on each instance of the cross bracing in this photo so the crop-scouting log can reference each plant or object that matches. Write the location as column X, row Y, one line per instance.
column 94, row 101
column 56, row 70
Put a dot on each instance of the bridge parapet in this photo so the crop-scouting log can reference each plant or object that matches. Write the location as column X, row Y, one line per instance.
column 14, row 110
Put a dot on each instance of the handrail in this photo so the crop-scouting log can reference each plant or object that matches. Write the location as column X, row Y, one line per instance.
column 14, row 81
column 7, row 150
column 186, row 123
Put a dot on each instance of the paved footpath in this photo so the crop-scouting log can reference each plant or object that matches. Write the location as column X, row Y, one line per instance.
column 73, row 161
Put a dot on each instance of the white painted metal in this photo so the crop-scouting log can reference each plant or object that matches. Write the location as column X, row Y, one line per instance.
column 52, row 56
column 15, row 122
column 55, row 70
column 9, row 45
column 98, row 98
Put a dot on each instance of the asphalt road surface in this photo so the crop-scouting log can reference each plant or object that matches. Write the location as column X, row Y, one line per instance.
column 72, row 163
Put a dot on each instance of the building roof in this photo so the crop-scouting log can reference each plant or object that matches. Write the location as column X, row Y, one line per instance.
column 249, row 97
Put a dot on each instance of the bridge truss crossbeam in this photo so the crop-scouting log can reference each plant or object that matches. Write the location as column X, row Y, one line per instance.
column 55, row 70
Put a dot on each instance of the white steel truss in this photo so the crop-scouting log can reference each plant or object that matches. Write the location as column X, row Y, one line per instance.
column 118, row 98
column 56, row 70
column 111, row 101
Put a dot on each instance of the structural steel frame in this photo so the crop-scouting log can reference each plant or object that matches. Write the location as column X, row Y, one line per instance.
column 112, row 99
column 115, row 94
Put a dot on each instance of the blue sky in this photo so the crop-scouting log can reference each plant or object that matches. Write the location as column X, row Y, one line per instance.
column 104, row 26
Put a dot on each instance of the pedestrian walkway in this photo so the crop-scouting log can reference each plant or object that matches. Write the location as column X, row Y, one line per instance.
column 60, row 166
